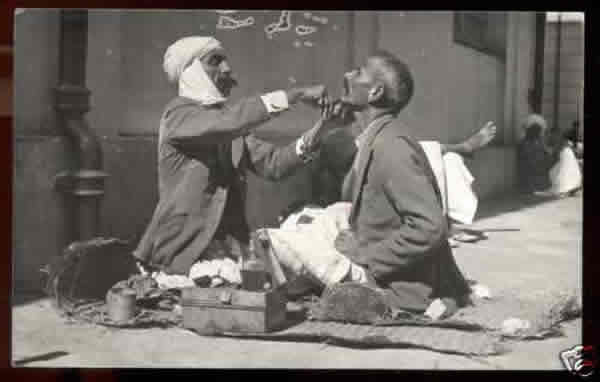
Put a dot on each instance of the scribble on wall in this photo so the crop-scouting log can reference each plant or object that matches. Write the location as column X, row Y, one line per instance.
column 283, row 24
column 321, row 20
column 304, row 30
column 226, row 22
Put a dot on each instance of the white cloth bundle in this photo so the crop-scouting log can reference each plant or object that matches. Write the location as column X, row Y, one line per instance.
column 565, row 175
column 454, row 181
column 307, row 249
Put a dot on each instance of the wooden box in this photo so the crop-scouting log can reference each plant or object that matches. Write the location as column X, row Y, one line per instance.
column 221, row 310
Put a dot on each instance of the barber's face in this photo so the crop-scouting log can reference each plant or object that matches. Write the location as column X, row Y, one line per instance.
column 358, row 84
column 218, row 70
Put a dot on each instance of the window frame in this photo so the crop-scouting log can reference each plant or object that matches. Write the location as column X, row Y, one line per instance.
column 482, row 42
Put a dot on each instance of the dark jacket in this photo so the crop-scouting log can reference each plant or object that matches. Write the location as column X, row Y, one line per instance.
column 534, row 165
column 204, row 154
column 398, row 221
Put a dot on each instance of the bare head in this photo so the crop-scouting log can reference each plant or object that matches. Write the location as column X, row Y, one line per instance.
column 384, row 82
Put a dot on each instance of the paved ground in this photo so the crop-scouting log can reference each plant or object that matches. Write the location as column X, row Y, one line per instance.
column 530, row 246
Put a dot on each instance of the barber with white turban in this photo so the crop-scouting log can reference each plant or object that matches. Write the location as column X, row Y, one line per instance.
column 205, row 149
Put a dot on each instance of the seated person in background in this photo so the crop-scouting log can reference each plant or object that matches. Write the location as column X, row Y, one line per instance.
column 534, row 158
column 565, row 175
column 393, row 234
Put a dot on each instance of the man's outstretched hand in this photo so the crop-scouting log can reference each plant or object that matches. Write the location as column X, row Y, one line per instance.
column 315, row 95
column 330, row 112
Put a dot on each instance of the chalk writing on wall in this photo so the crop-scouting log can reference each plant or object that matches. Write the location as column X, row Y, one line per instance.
column 227, row 22
column 304, row 30
column 283, row 24
column 321, row 20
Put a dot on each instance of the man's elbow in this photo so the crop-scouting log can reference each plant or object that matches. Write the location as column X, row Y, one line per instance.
column 433, row 232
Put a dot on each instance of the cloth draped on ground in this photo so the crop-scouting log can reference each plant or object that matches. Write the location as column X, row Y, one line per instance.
column 475, row 330
column 565, row 175
column 304, row 243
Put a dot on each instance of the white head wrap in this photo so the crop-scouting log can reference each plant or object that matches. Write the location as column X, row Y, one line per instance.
column 180, row 53
column 193, row 81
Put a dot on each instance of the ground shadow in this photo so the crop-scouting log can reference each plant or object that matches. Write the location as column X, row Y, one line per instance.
column 510, row 203
column 41, row 357
column 26, row 296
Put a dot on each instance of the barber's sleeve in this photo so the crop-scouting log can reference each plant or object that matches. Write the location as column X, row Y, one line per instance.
column 412, row 196
column 193, row 125
column 270, row 161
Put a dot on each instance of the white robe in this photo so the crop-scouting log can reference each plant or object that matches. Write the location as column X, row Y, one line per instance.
column 565, row 175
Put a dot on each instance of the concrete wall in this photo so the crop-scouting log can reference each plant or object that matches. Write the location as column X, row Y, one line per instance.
column 38, row 214
column 458, row 88
column 571, row 74
column 129, row 91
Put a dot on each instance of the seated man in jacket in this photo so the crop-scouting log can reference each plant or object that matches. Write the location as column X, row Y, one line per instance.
column 396, row 236
column 453, row 177
column 205, row 149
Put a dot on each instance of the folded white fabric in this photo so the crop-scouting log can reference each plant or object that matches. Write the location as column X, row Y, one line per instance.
column 226, row 269
column 166, row 281
column 217, row 270
column 308, row 250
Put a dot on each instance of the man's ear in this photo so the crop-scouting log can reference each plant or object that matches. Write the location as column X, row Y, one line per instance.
column 376, row 93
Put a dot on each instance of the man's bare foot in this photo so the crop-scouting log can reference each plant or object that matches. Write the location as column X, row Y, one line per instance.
column 481, row 138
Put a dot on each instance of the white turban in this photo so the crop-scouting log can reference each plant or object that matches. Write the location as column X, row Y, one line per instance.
column 535, row 119
column 180, row 53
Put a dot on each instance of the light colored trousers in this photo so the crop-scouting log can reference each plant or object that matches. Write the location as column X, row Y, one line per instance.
column 307, row 249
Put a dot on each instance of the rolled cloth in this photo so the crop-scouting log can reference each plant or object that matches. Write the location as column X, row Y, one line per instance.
column 181, row 52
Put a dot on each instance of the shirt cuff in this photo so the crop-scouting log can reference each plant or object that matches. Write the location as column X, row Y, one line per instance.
column 275, row 101
column 300, row 146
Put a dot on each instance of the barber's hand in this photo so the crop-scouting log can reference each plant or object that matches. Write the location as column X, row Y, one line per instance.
column 316, row 95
